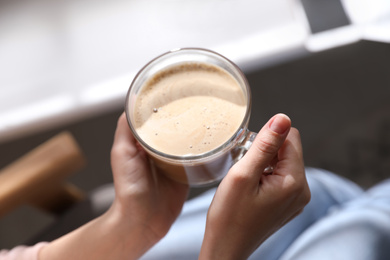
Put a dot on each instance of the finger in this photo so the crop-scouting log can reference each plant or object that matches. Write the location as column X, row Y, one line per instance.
column 291, row 156
column 266, row 145
column 291, row 167
column 128, row 160
column 124, row 146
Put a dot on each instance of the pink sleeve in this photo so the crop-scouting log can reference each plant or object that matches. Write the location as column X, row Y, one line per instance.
column 22, row 252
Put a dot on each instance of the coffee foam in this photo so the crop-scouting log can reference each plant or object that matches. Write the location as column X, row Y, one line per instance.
column 189, row 109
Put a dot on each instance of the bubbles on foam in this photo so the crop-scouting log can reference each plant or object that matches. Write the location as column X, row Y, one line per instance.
column 207, row 113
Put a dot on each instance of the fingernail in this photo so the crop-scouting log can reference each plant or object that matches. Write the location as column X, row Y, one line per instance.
column 280, row 123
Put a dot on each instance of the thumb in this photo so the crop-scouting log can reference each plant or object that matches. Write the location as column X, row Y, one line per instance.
column 266, row 145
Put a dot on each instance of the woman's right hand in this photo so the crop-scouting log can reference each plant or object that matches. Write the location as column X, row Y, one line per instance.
column 249, row 205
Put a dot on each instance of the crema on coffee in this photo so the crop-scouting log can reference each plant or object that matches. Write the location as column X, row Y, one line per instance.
column 189, row 109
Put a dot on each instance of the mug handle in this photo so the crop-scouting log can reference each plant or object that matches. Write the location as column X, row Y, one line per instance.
column 244, row 144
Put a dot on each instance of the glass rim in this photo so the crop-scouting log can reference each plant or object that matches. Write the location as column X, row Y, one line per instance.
column 196, row 157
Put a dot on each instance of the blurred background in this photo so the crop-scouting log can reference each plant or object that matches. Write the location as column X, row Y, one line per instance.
column 67, row 65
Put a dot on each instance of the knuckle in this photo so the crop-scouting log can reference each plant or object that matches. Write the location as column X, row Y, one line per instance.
column 302, row 193
column 238, row 177
column 117, row 150
column 267, row 146
column 295, row 130
column 300, row 189
column 114, row 152
column 294, row 188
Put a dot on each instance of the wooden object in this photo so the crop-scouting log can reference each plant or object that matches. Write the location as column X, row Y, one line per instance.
column 38, row 178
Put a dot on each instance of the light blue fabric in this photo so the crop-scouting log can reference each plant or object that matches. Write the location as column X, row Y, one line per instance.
column 340, row 222
column 358, row 230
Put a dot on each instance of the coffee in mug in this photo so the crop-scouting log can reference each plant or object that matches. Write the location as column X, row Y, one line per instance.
column 189, row 109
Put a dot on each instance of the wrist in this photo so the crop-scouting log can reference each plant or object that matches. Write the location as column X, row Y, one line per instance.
column 220, row 243
column 110, row 236
column 215, row 247
column 134, row 237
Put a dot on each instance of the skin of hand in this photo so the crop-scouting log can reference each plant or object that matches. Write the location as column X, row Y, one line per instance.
column 143, row 195
column 145, row 206
column 249, row 205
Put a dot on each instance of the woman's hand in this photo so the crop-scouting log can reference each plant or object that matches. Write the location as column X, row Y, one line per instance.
column 144, row 198
column 250, row 205
column 145, row 206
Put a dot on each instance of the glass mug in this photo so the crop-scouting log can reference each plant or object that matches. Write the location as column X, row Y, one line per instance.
column 208, row 167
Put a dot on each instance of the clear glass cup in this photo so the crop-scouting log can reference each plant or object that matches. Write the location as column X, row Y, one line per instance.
column 210, row 166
